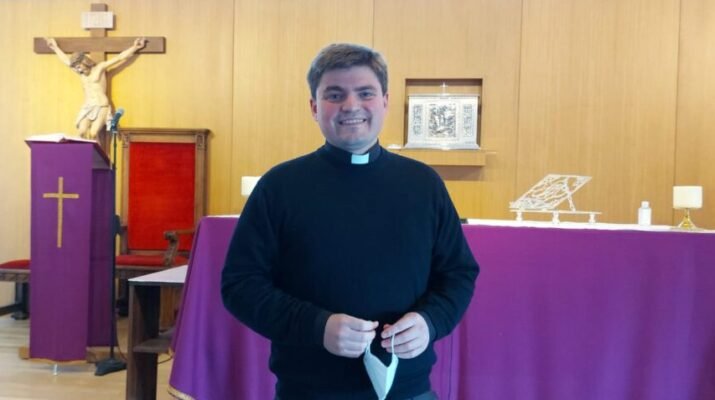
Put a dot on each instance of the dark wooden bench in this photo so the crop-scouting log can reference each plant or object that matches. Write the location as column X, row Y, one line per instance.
column 17, row 271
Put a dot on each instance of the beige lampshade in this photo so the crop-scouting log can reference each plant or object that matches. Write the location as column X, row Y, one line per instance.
column 690, row 197
column 247, row 184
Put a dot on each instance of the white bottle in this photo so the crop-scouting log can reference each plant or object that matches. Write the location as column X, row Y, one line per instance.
column 644, row 214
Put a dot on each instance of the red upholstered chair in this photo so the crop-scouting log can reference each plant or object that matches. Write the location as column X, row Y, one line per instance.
column 17, row 271
column 162, row 197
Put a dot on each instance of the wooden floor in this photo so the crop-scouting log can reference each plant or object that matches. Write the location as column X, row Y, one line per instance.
column 25, row 380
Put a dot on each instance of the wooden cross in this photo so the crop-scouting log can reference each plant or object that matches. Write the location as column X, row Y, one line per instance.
column 60, row 195
column 98, row 44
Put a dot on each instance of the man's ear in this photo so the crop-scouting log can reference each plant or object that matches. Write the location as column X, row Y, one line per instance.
column 385, row 98
column 314, row 108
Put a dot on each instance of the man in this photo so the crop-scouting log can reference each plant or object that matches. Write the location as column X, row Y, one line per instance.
column 96, row 111
column 348, row 243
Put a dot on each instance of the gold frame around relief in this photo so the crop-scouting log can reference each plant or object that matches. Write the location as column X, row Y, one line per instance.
column 443, row 121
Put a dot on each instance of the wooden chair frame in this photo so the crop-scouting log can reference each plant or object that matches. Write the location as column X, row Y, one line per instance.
column 161, row 135
column 198, row 137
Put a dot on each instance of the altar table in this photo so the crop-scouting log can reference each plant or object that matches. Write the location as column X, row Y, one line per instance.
column 558, row 314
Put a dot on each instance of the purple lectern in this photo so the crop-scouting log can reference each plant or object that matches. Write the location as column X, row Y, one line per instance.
column 71, row 248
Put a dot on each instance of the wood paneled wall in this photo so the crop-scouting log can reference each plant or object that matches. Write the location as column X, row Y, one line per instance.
column 620, row 90
column 598, row 98
column 695, row 132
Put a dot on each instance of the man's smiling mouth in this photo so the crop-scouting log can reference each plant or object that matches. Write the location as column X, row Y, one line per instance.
column 353, row 121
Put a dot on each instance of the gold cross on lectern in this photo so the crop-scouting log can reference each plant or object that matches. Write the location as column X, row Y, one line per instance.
column 60, row 196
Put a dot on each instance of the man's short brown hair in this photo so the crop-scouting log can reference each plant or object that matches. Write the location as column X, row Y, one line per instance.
column 343, row 56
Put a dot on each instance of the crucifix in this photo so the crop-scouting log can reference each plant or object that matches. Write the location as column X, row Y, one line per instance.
column 96, row 110
column 60, row 195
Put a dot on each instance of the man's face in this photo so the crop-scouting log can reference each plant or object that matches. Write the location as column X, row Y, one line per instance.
column 350, row 108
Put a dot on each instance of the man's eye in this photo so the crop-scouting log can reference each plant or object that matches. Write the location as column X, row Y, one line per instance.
column 333, row 96
column 367, row 95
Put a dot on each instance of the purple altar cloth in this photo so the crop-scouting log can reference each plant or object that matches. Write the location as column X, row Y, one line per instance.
column 70, row 250
column 557, row 315
column 217, row 356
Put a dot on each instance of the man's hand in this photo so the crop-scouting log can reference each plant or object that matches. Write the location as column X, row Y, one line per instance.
column 411, row 335
column 348, row 336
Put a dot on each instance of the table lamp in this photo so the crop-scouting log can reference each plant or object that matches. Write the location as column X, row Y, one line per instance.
column 247, row 184
column 687, row 198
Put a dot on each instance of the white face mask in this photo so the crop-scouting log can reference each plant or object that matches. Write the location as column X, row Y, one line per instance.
column 380, row 375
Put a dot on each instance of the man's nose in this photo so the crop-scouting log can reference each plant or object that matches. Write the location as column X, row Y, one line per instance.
column 351, row 102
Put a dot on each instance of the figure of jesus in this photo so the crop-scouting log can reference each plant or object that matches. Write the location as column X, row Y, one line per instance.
column 96, row 112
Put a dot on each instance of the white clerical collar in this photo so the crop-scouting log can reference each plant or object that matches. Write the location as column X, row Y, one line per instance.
column 360, row 159
column 347, row 158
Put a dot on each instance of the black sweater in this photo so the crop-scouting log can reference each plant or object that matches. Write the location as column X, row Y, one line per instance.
column 320, row 235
